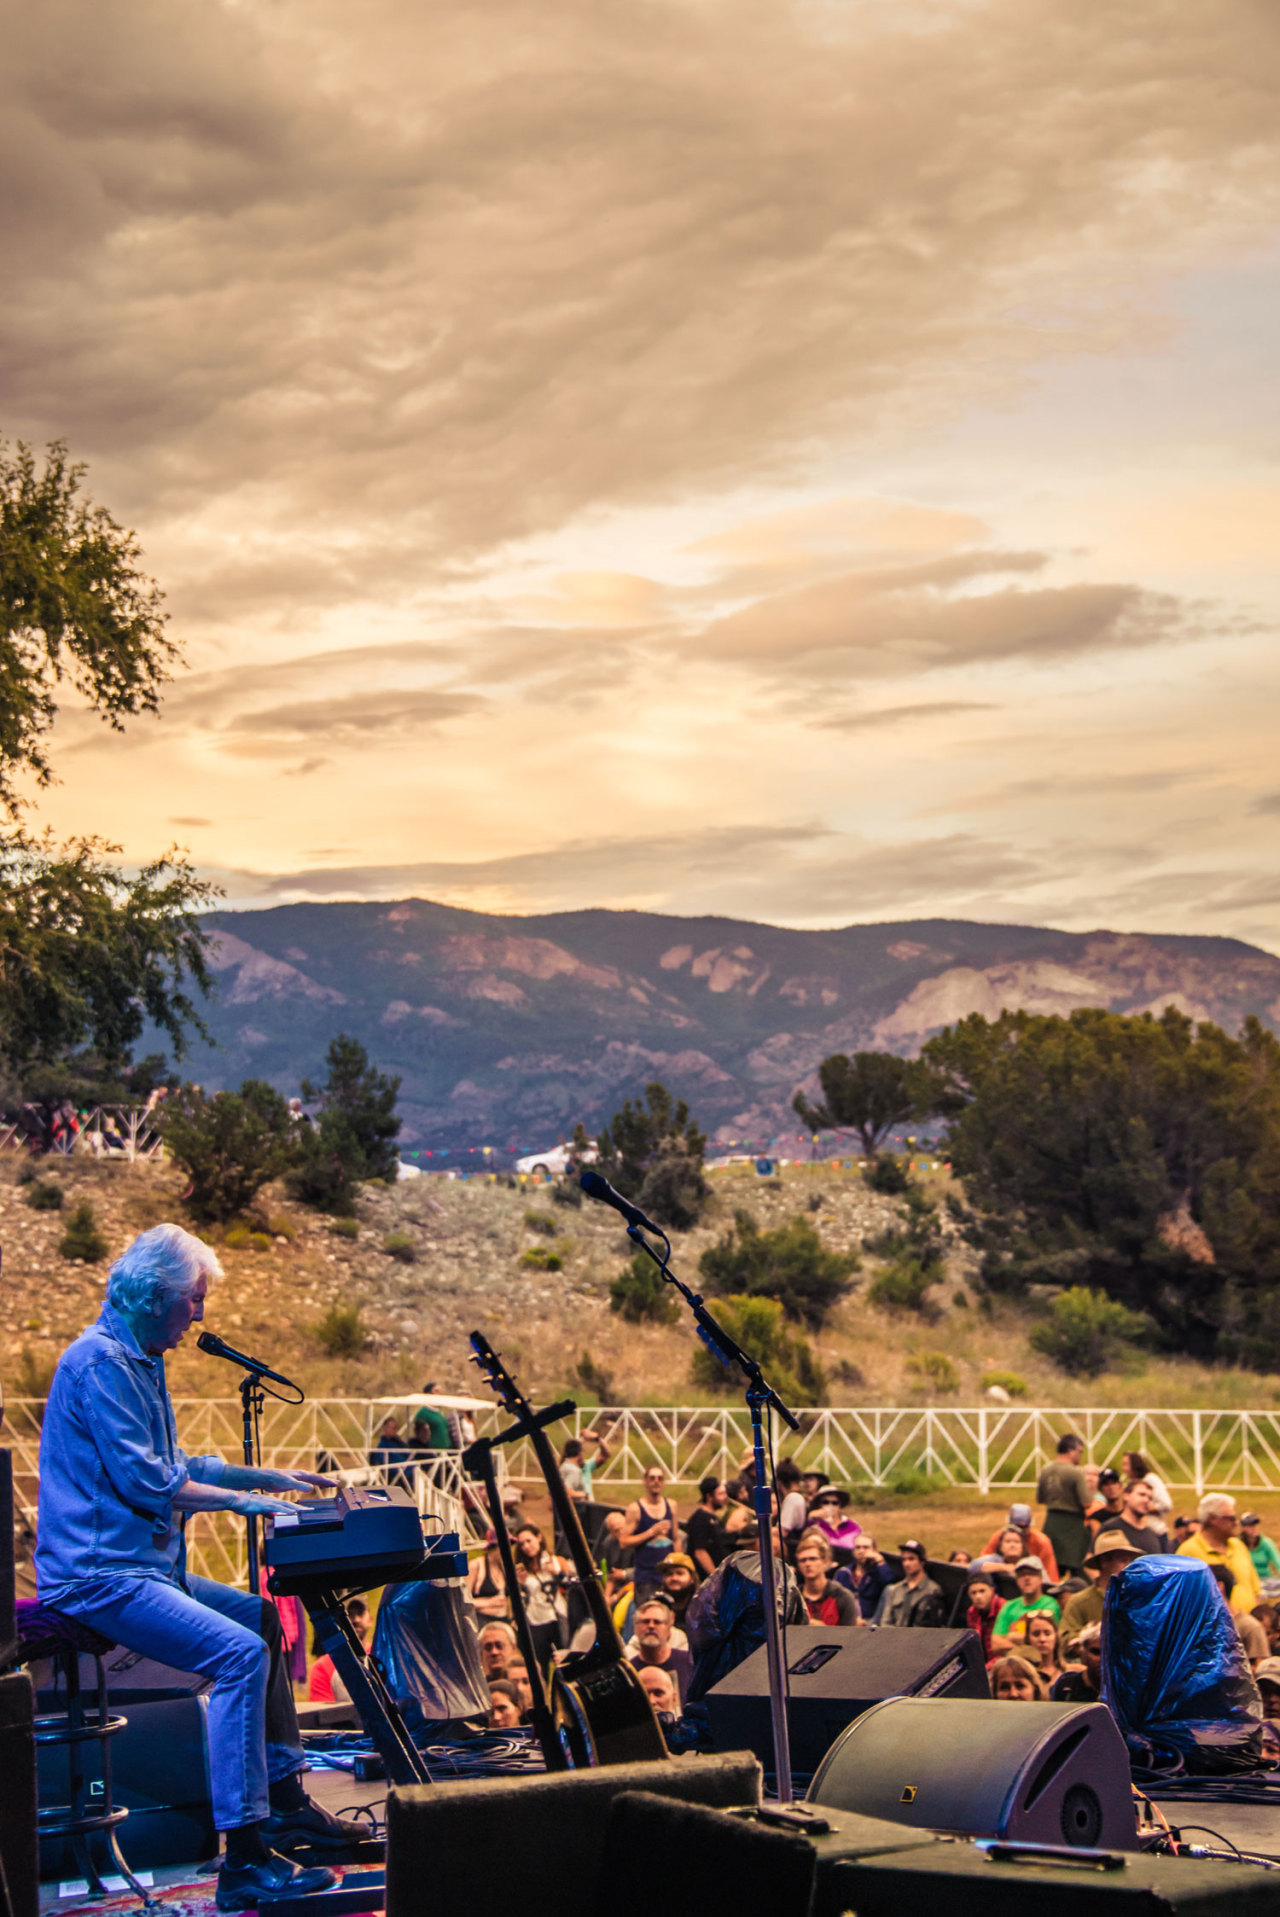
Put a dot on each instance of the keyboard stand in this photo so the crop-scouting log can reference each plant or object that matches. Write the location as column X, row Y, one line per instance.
column 367, row 1687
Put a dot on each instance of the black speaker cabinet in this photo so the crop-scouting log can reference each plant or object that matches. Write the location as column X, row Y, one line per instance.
column 974, row 1880
column 7, row 1630
column 159, row 1771
column 834, row 1673
column 18, row 1795
column 1028, row 1773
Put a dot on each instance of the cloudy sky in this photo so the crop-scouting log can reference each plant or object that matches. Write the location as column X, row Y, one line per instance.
column 818, row 462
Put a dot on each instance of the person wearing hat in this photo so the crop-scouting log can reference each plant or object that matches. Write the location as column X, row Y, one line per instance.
column 1111, row 1552
column 1266, row 1559
column 827, row 1515
column 1108, row 1504
column 915, row 1599
column 1032, row 1596
column 1035, row 1544
column 679, row 1575
column 1268, row 1680
column 981, row 1608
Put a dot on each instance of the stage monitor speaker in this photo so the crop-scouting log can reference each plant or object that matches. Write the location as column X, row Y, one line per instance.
column 976, row 1880
column 159, row 1772
column 18, row 1795
column 1027, row 1773
column 536, row 1843
column 834, row 1673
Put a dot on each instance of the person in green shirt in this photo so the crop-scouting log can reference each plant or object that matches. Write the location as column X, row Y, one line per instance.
column 1032, row 1596
column 1266, row 1559
column 430, row 1426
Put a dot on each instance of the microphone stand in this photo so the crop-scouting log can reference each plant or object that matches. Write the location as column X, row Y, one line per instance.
column 759, row 1395
column 252, row 1398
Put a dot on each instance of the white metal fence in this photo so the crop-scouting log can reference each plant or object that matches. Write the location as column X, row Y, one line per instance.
column 988, row 1450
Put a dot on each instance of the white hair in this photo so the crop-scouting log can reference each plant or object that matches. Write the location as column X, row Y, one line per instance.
column 159, row 1264
column 1216, row 1505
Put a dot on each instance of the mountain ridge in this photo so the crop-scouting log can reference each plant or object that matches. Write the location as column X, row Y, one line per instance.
column 507, row 1029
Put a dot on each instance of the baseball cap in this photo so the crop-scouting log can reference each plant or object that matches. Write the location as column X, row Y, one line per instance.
column 1268, row 1671
column 1250, row 1517
column 1108, row 1475
column 913, row 1544
column 1029, row 1564
column 1020, row 1514
column 657, row 1597
column 681, row 1558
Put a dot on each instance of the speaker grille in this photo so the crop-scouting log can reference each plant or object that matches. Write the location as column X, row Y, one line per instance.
column 1081, row 1817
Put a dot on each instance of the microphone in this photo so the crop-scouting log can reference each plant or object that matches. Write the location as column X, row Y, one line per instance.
column 597, row 1187
column 210, row 1342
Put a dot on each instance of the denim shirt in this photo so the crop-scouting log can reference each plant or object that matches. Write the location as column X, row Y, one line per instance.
column 110, row 1466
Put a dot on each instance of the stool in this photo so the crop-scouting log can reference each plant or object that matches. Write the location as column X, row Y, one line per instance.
column 43, row 1633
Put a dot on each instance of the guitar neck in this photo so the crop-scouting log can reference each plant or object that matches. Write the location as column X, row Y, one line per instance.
column 607, row 1638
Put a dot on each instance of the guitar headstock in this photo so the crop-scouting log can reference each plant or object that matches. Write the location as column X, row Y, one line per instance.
column 486, row 1358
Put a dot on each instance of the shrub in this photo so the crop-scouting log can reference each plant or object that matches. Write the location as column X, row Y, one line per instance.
column 567, row 1192
column 236, row 1237
column 345, row 1228
column 934, row 1370
column 541, row 1258
column 82, row 1238
column 260, row 1241
column 815, row 1201
column 759, row 1326
column 1009, row 1381
column 593, row 1378
column 790, row 1264
column 541, row 1221
column 399, row 1245
column 34, row 1374
column 641, row 1295
column 230, row 1145
column 674, row 1189
column 1083, row 1329
column 42, row 1197
column 342, row 1331
column 887, row 1173
column 281, row 1227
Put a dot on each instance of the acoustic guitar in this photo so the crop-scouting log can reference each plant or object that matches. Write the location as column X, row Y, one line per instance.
column 600, row 1709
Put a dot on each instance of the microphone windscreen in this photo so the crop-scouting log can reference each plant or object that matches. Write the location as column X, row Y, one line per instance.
column 594, row 1185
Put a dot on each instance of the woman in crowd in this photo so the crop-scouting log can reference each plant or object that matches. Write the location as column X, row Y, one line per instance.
column 1042, row 1645
column 1082, row 1684
column 866, row 1575
column 1009, row 1548
column 828, row 1514
column 542, row 1578
column 504, row 1706
column 487, row 1583
column 1016, row 1682
column 1137, row 1468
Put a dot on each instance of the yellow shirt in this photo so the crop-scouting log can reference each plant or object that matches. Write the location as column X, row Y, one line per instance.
column 1246, row 1591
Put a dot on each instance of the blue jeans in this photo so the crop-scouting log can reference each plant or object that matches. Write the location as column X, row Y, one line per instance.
column 231, row 1636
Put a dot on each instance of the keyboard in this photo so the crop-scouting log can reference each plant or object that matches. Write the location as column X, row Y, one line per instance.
column 369, row 1535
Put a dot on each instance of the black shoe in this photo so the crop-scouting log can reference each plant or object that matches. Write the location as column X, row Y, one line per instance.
column 310, row 1828
column 245, row 1886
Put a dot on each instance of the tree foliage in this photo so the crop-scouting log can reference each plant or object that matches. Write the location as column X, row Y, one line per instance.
column 653, row 1153
column 230, row 1144
column 354, row 1137
column 787, row 1358
column 74, row 606
column 1135, row 1156
column 869, row 1094
column 789, row 1263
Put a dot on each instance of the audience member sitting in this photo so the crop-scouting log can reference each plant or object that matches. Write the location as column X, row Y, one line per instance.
column 1082, row 1686
column 487, row 1582
column 825, row 1515
column 1135, row 1518
column 1042, row 1647
column 1013, row 1613
column 498, row 1642
column 1137, row 1470
column 980, row 1614
column 1268, row 1681
column 708, row 1541
column 1183, row 1528
column 655, row 1642
column 811, row 1482
column 679, row 1581
column 324, row 1686
column 1216, row 1543
column 1111, row 1552
column 793, row 1515
column 725, row 1621
column 825, row 1601
column 1269, row 1618
column 960, row 1557
column 1266, row 1559
column 518, row 1677
column 866, row 1575
column 1008, row 1549
column 1016, row 1682
column 613, row 1554
column 915, row 1599
column 661, row 1689
column 504, row 1706
column 1031, row 1543
column 1250, row 1632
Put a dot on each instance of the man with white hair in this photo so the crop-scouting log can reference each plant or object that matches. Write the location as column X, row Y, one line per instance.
column 115, row 1489
column 1216, row 1543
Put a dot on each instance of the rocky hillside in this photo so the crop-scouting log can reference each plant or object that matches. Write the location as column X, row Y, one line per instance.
column 506, row 1031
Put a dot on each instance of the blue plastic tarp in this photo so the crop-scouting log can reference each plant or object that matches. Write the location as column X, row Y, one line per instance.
column 1174, row 1672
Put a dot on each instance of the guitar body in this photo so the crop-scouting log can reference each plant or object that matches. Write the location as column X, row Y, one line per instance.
column 600, row 1709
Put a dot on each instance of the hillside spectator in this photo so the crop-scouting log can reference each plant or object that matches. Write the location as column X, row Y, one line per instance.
column 650, row 1530
column 1111, row 1552
column 793, row 1515
column 652, row 1643
column 388, row 1447
column 660, row 1688
column 866, row 1575
column 1011, row 1618
column 487, row 1581
column 1134, row 1515
column 825, row 1601
column 431, row 1426
column 1083, row 1685
column 829, row 1514
column 1031, row 1543
column 1135, row 1468
column 1268, row 1680
column 543, row 1577
column 1108, row 1504
column 1216, row 1543
column 704, row 1530
column 915, row 1599
column 504, row 1706
column 1015, row 1681
column 1042, row 1647
column 1266, row 1559
column 982, row 1606
column 498, row 1642
column 1064, row 1492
